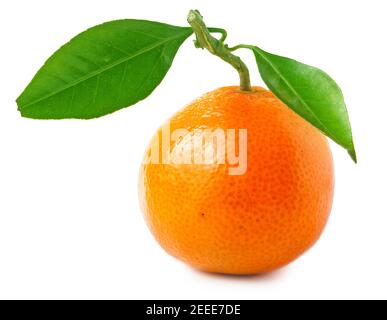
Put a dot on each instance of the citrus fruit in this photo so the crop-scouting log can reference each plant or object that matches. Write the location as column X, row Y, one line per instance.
column 254, row 221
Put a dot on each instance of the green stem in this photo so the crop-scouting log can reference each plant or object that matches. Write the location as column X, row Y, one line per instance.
column 217, row 47
column 240, row 46
column 221, row 31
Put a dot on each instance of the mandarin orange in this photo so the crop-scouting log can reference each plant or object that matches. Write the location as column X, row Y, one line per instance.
column 247, row 223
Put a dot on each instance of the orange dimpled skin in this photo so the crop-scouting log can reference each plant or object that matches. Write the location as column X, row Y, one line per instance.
column 249, row 223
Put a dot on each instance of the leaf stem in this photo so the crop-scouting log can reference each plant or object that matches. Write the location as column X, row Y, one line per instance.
column 205, row 40
column 221, row 31
column 240, row 46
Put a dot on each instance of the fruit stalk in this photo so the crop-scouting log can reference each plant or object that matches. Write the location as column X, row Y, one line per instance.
column 217, row 47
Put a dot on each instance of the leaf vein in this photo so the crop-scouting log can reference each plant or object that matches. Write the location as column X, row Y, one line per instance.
column 150, row 73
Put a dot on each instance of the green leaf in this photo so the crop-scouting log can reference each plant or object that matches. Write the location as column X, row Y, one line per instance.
column 104, row 69
column 309, row 92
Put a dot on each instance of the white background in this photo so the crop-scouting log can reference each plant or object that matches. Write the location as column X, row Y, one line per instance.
column 70, row 224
